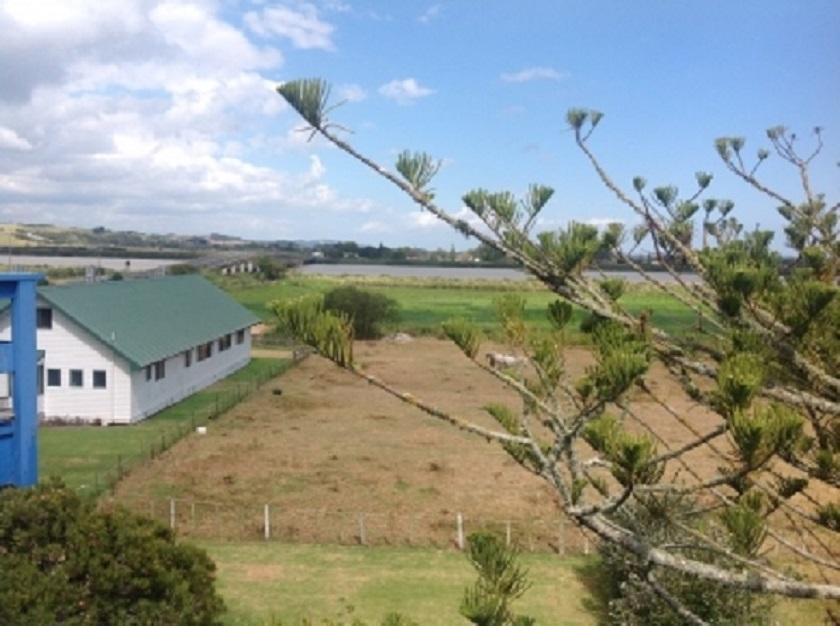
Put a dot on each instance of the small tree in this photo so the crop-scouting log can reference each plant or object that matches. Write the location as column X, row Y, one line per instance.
column 500, row 581
column 64, row 562
column 766, row 366
column 366, row 310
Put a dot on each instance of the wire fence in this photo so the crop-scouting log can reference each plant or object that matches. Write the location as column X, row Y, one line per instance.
column 229, row 521
column 184, row 421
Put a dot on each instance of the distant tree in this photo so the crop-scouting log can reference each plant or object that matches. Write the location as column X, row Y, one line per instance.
column 270, row 268
column 766, row 367
column 62, row 561
column 366, row 311
column 488, row 254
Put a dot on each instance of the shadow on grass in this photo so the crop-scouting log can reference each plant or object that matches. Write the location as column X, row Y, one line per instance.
column 591, row 574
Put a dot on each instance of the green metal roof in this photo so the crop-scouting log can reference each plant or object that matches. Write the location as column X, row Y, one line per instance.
column 146, row 320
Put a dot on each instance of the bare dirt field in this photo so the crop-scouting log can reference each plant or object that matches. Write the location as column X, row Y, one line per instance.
column 340, row 461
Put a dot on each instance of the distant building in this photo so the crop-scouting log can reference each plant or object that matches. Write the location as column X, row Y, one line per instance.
column 119, row 351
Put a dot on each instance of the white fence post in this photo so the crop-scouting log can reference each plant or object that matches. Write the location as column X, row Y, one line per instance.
column 267, row 522
column 362, row 533
column 561, row 538
column 507, row 533
column 172, row 513
column 460, row 521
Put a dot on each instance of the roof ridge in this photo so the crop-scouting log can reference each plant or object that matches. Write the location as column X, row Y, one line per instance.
column 150, row 319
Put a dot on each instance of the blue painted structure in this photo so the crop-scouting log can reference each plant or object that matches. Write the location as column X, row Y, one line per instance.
column 19, row 359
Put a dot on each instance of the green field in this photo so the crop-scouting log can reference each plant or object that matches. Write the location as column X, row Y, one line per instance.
column 261, row 582
column 265, row 581
column 424, row 305
column 87, row 457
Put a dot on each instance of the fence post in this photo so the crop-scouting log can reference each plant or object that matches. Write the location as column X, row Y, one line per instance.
column 267, row 522
column 172, row 513
column 362, row 533
column 192, row 513
column 586, row 545
column 460, row 522
column 507, row 533
column 561, row 537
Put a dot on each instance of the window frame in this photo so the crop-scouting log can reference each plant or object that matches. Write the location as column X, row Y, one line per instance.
column 43, row 318
column 205, row 351
column 188, row 358
column 160, row 369
column 240, row 337
column 50, row 372
column 70, row 377
column 104, row 374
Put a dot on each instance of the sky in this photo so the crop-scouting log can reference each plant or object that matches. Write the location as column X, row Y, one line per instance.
column 161, row 116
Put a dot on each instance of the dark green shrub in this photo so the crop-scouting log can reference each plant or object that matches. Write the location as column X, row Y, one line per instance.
column 64, row 562
column 270, row 269
column 633, row 603
column 179, row 269
column 367, row 310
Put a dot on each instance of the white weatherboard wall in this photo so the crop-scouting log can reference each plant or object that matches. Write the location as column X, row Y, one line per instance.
column 67, row 346
column 128, row 396
column 150, row 396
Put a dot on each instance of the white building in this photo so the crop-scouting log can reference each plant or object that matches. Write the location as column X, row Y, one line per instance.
column 119, row 351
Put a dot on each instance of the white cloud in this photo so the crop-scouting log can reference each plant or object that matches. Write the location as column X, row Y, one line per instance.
column 429, row 14
column 351, row 93
column 423, row 220
column 303, row 26
column 404, row 91
column 10, row 140
column 152, row 115
column 602, row 222
column 533, row 73
column 375, row 226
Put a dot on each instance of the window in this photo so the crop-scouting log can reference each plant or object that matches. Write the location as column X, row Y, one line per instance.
column 160, row 369
column 205, row 351
column 77, row 378
column 99, row 379
column 224, row 343
column 148, row 372
column 240, row 337
column 44, row 318
column 187, row 358
column 53, row 378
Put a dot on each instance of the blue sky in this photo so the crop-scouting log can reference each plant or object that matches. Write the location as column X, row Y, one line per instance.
column 159, row 115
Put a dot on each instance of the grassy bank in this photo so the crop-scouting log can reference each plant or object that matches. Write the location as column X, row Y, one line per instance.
column 262, row 581
column 426, row 303
column 88, row 458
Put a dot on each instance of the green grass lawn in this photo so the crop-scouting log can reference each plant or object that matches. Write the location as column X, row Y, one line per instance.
column 261, row 582
column 265, row 581
column 423, row 307
column 85, row 457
